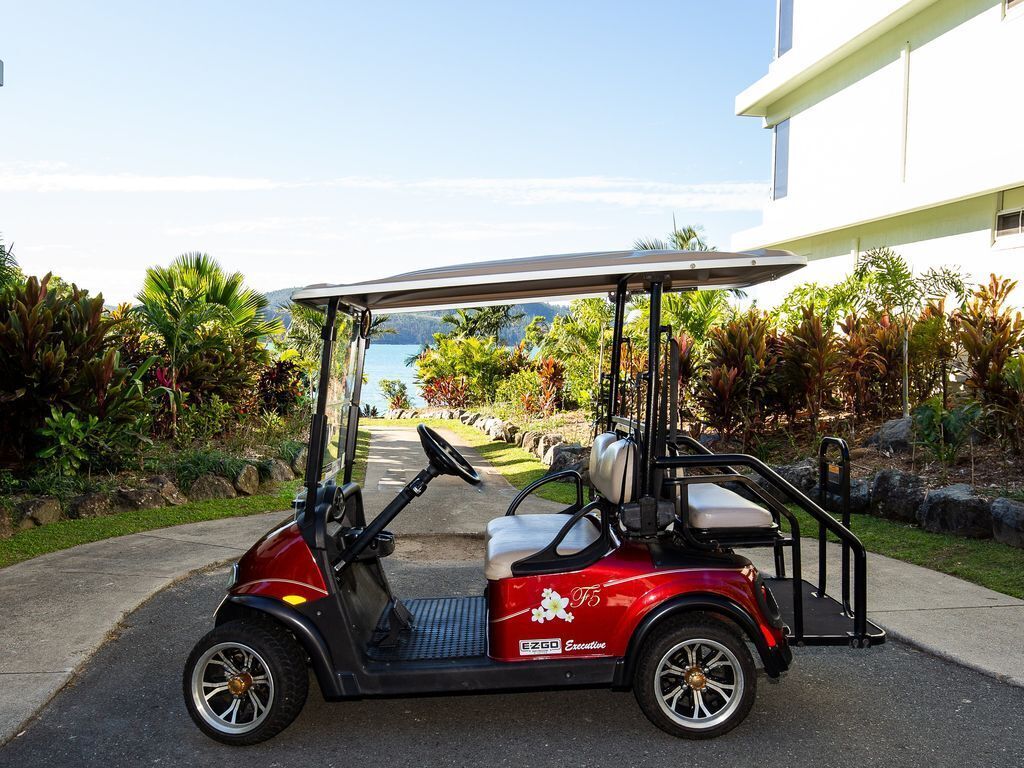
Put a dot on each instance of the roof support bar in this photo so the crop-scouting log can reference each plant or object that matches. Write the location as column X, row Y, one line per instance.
column 621, row 296
column 650, row 420
column 315, row 454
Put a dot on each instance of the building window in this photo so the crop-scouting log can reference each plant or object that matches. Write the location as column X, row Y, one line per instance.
column 785, row 15
column 780, row 173
column 1009, row 223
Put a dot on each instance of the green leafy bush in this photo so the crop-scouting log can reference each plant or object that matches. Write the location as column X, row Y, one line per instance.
column 191, row 465
column 396, row 393
column 201, row 422
column 56, row 353
column 944, row 433
column 521, row 391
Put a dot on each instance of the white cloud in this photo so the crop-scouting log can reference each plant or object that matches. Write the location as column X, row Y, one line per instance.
column 601, row 190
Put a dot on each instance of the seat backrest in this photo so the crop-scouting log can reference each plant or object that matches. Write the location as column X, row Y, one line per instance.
column 613, row 467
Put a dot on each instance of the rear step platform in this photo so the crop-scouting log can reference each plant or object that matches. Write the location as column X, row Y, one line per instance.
column 442, row 628
column 824, row 620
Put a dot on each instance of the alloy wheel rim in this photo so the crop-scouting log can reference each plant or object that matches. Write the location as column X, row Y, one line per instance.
column 232, row 688
column 699, row 683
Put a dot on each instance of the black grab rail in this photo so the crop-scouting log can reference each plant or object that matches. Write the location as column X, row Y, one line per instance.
column 797, row 497
column 834, row 480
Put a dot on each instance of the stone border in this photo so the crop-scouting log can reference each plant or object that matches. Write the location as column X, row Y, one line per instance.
column 157, row 492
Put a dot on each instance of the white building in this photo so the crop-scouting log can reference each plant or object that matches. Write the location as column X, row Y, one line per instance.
column 899, row 123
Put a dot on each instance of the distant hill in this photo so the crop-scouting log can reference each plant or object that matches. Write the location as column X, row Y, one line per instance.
column 420, row 327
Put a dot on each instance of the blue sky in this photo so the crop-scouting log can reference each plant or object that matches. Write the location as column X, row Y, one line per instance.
column 311, row 142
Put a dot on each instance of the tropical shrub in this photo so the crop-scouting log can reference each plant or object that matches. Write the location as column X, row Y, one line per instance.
column 55, row 353
column 396, row 393
column 478, row 363
column 944, row 433
column 202, row 421
column 580, row 340
column 810, row 363
column 446, row 392
column 521, row 392
column 739, row 365
column 279, row 386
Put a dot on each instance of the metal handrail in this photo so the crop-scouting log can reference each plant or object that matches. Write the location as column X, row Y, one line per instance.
column 824, row 486
column 797, row 497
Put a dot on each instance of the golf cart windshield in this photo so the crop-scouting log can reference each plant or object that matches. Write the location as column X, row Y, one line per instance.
column 341, row 393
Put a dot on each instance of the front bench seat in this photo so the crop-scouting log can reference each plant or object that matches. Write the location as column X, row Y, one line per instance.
column 550, row 522
column 512, row 544
column 713, row 507
column 514, row 537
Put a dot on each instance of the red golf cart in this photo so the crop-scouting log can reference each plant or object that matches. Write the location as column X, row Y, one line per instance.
column 637, row 585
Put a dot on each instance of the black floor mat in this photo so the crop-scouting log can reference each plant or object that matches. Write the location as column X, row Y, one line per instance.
column 824, row 618
column 443, row 628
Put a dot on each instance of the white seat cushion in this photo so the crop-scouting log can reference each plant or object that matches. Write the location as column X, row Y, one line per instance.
column 548, row 523
column 712, row 506
column 612, row 467
column 511, row 542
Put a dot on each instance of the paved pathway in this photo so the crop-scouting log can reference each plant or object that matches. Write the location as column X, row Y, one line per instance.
column 56, row 610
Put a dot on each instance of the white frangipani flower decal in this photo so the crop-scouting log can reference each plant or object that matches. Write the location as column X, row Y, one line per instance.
column 552, row 606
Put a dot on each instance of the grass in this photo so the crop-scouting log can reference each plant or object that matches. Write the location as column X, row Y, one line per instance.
column 70, row 533
column 517, row 466
column 981, row 561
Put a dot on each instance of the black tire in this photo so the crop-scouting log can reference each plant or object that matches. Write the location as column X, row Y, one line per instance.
column 277, row 678
column 717, row 659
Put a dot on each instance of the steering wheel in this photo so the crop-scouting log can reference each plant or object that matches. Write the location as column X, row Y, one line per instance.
column 444, row 457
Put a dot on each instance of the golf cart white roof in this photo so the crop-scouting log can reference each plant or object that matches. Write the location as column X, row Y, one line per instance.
column 508, row 281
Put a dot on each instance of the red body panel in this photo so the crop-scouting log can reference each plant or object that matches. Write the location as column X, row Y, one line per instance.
column 280, row 564
column 593, row 612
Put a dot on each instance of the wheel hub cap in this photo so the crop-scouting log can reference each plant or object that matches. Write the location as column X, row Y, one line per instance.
column 696, row 679
column 240, row 683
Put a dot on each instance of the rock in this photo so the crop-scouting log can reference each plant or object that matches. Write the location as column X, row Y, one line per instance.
column 41, row 511
column 896, row 495
column 1008, row 522
column 247, row 482
column 860, row 495
column 280, row 472
column 519, row 438
column 146, row 497
column 6, row 529
column 92, row 505
column 511, row 430
column 167, row 489
column 859, row 453
column 956, row 509
column 299, row 462
column 860, row 498
column 469, row 419
column 530, row 441
column 495, row 429
column 545, row 443
column 709, row 439
column 567, row 456
column 803, row 474
column 211, row 487
column 895, row 436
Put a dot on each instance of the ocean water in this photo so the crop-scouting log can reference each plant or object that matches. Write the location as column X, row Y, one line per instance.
column 387, row 361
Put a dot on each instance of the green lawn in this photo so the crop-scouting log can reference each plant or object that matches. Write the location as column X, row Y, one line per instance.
column 69, row 533
column 983, row 562
column 519, row 467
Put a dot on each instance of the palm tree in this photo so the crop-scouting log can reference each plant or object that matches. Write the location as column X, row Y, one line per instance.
column 200, row 275
column 9, row 272
column 891, row 285
column 480, row 322
column 179, row 319
column 687, row 238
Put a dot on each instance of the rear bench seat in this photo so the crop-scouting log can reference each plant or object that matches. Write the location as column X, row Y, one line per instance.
column 713, row 507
